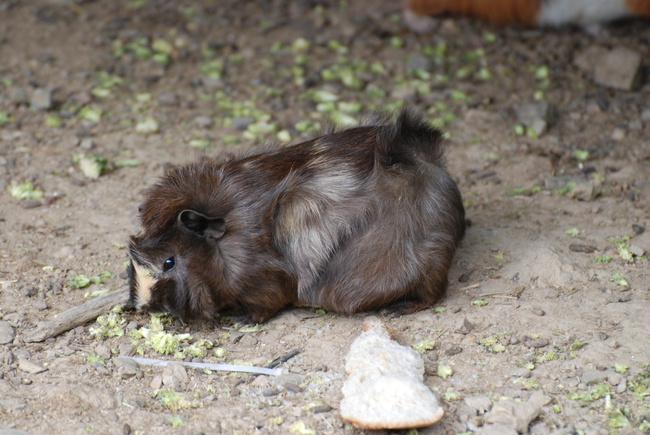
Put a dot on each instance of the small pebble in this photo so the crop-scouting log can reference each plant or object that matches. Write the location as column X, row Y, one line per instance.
column 578, row 247
column 103, row 351
column 30, row 291
column 242, row 122
column 174, row 376
column 271, row 391
column 30, row 367
column 590, row 377
column 638, row 229
column 537, row 342
column 41, row 99
column 521, row 372
column 480, row 403
column 538, row 311
column 40, row 305
column 248, row 340
column 453, row 351
column 290, row 386
column 30, row 203
column 7, row 333
column 87, row 144
column 321, row 408
column 156, row 382
column 618, row 134
column 168, row 98
column 203, row 121
column 622, row 387
column 127, row 349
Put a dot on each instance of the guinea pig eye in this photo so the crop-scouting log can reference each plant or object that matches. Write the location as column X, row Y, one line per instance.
column 169, row 264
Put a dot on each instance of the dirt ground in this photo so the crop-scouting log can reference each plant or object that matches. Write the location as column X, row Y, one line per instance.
column 549, row 289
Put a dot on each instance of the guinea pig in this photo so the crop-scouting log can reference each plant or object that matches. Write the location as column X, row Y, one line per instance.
column 361, row 219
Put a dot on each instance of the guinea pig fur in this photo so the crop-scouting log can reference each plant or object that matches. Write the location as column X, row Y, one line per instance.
column 354, row 220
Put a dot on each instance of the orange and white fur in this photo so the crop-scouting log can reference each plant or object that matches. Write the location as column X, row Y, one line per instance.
column 532, row 12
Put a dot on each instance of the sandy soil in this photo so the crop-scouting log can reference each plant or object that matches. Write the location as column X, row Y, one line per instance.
column 529, row 307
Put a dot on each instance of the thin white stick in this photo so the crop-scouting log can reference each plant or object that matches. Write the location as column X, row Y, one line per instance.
column 223, row 367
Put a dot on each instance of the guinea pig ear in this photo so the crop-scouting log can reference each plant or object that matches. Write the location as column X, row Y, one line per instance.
column 209, row 227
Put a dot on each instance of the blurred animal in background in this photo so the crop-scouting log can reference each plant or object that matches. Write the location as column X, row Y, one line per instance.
column 585, row 13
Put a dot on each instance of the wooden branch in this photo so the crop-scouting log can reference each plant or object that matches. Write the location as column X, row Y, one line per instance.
column 79, row 315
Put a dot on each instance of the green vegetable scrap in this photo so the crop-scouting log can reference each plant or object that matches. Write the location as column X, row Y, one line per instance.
column 598, row 392
column 479, row 303
column 92, row 166
column 95, row 358
column 619, row 279
column 174, row 401
column 618, row 418
column 424, row 345
column 640, row 385
column 25, row 190
column 573, row 232
column 444, row 371
column 91, row 114
column 174, row 421
column 603, row 259
column 620, row 368
column 108, row 326
column 492, row 344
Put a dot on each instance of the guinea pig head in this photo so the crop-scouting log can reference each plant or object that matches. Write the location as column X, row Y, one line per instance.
column 177, row 271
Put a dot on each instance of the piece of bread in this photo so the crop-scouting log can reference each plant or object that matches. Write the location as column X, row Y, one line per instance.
column 385, row 388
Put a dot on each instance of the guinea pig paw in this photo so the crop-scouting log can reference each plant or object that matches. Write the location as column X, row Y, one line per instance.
column 398, row 309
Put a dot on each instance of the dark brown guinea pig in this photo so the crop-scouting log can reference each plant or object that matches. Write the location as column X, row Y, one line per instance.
column 354, row 220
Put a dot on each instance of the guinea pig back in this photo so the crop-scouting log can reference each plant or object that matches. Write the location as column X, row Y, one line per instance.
column 354, row 220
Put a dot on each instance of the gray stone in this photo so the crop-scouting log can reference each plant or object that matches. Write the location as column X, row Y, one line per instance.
column 175, row 377
column 587, row 191
column 30, row 367
column 41, row 99
column 517, row 416
column 619, row 68
column 168, row 98
column 271, row 391
column 521, row 372
column 539, row 126
column 591, row 377
column 203, row 121
column 537, row 342
column 248, row 340
column 536, row 116
column 15, row 319
column 40, row 305
column 587, row 59
column 19, row 95
column 13, row 432
column 636, row 250
column 479, row 403
column 103, row 351
column 418, row 61
column 127, row 349
column 126, row 367
column 87, row 143
column 7, row 333
column 242, row 122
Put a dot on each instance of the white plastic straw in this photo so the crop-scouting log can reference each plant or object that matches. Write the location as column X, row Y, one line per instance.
column 222, row 367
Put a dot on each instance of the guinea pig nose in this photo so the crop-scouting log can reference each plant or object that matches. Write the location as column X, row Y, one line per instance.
column 169, row 264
